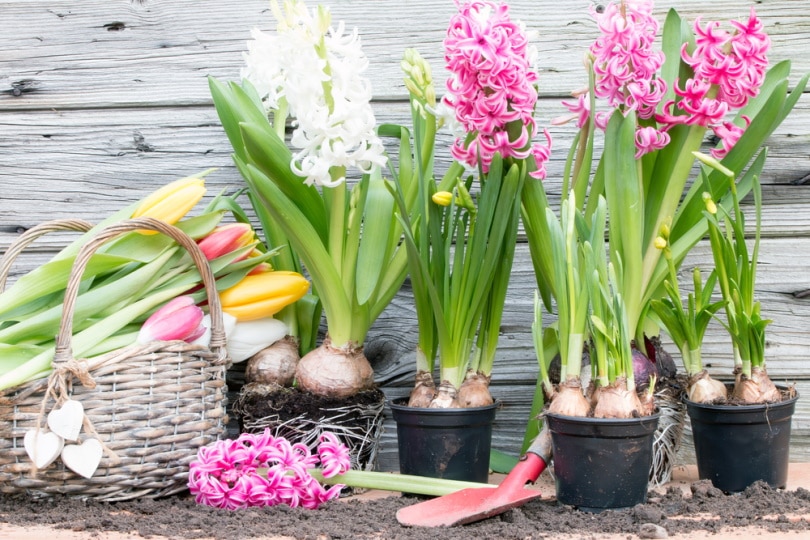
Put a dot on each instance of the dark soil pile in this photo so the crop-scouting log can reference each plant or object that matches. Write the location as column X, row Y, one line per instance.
column 178, row 517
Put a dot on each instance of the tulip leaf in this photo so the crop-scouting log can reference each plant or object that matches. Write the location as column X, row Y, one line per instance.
column 52, row 277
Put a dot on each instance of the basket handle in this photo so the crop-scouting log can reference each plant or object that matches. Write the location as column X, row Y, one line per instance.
column 25, row 239
column 63, row 352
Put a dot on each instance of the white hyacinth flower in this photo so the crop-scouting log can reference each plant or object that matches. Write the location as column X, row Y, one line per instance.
column 317, row 69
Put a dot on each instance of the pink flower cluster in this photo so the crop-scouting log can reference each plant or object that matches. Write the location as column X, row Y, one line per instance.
column 625, row 64
column 226, row 472
column 728, row 70
column 492, row 86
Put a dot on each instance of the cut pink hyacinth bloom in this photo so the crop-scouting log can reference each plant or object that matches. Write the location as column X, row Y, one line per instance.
column 335, row 458
column 179, row 319
column 225, row 474
column 227, row 238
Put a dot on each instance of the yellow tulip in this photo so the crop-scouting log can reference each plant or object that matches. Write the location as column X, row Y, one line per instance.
column 172, row 201
column 262, row 295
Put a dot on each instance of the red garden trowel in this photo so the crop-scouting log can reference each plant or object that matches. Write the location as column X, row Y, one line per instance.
column 474, row 504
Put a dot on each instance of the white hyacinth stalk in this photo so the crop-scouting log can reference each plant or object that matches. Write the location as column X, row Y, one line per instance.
column 312, row 71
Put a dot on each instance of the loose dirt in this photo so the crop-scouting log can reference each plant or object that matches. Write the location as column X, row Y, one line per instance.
column 693, row 510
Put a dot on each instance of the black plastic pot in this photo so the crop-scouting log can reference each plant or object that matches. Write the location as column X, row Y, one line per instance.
column 444, row 443
column 602, row 463
column 736, row 445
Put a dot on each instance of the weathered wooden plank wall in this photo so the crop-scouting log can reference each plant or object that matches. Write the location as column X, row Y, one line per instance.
column 102, row 101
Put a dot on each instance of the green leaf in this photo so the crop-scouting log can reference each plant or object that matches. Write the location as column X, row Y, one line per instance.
column 52, row 277
column 623, row 193
column 271, row 156
column 374, row 251
column 501, row 462
column 309, row 246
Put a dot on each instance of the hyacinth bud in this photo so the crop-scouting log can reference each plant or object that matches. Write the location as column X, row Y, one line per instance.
column 660, row 242
column 664, row 231
column 710, row 206
column 178, row 319
column 442, row 198
column 263, row 295
column 226, row 239
column 171, row 202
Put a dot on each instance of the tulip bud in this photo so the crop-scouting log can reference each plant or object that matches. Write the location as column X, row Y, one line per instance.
column 442, row 198
column 171, row 202
column 263, row 295
column 228, row 324
column 250, row 337
column 227, row 238
column 262, row 267
column 178, row 319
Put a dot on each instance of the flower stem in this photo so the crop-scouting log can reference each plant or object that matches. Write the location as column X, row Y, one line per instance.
column 405, row 483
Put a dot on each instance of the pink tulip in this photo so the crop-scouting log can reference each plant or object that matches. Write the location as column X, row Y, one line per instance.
column 179, row 319
column 226, row 239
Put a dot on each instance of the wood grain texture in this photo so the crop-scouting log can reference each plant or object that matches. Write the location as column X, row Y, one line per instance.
column 102, row 101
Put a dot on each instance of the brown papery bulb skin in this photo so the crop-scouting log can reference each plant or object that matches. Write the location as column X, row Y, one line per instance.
column 445, row 397
column 424, row 390
column 757, row 389
column 703, row 389
column 474, row 391
column 569, row 400
column 617, row 401
column 337, row 372
column 274, row 364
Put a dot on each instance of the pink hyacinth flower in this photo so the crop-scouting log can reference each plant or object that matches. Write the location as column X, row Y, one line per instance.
column 179, row 319
column 226, row 472
column 226, row 239
column 334, row 455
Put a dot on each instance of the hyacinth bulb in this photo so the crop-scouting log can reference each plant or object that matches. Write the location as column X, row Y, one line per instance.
column 274, row 364
column 424, row 390
column 617, row 401
column 445, row 397
column 178, row 319
column 569, row 400
column 703, row 389
column 474, row 391
column 758, row 388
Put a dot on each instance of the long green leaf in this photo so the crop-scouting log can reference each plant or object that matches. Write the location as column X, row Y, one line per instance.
column 309, row 246
column 271, row 156
column 372, row 257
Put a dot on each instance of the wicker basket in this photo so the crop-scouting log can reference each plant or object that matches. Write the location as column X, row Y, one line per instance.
column 151, row 406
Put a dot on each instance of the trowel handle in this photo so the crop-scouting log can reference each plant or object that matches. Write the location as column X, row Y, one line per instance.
column 531, row 464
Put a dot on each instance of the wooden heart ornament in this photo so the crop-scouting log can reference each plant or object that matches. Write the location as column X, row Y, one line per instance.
column 83, row 459
column 42, row 447
column 67, row 420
